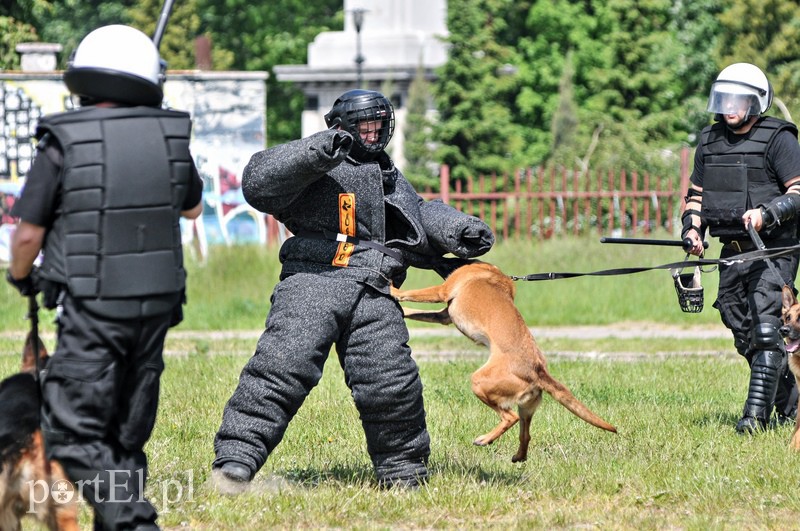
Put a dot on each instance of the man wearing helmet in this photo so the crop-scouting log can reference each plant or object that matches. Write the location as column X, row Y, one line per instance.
column 358, row 225
column 747, row 172
column 102, row 201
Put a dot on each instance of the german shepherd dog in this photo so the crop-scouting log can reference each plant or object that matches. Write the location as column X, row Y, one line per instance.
column 28, row 481
column 791, row 336
column 480, row 303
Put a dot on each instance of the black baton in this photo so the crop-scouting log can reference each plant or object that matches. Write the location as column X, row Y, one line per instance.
column 685, row 243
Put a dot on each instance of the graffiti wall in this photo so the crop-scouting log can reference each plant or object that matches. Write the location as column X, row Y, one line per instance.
column 228, row 111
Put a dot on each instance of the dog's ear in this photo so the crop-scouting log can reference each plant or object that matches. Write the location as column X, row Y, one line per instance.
column 28, row 359
column 789, row 298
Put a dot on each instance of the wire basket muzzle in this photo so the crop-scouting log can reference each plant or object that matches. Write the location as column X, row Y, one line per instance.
column 689, row 290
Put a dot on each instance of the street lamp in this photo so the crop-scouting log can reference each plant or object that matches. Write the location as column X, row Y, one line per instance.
column 358, row 19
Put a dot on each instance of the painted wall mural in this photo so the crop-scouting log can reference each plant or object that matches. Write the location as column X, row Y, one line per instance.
column 228, row 110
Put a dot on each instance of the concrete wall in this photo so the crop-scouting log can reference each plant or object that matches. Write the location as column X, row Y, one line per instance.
column 229, row 115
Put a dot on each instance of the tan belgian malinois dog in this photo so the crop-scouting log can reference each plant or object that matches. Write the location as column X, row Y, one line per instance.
column 791, row 336
column 480, row 303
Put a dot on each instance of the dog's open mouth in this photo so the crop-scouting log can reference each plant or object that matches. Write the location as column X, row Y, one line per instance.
column 792, row 345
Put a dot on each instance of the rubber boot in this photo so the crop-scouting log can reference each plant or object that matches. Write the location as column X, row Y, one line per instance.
column 764, row 371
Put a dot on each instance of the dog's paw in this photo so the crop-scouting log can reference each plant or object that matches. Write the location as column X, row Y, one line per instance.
column 483, row 440
column 396, row 293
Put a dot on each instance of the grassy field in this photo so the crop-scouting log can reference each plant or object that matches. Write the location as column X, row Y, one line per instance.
column 231, row 289
column 676, row 462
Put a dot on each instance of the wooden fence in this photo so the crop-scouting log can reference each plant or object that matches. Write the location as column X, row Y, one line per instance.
column 539, row 203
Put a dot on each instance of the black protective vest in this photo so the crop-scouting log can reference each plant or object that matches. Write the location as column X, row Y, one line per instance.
column 736, row 177
column 125, row 176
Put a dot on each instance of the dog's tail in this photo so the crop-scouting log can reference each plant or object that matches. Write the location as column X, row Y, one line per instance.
column 565, row 397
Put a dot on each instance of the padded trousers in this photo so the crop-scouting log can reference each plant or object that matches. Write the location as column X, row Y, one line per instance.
column 309, row 315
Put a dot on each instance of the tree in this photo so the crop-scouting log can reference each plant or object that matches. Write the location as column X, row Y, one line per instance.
column 767, row 34
column 67, row 21
column 13, row 32
column 264, row 34
column 177, row 43
column 565, row 120
column 418, row 150
column 477, row 133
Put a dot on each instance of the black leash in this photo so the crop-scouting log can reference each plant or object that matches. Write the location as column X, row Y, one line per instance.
column 33, row 315
column 760, row 245
column 759, row 254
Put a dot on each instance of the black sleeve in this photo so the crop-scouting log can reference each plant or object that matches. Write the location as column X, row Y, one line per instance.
column 784, row 156
column 39, row 200
column 697, row 172
column 195, row 192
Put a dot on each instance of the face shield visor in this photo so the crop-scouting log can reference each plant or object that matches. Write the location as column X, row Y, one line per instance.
column 728, row 98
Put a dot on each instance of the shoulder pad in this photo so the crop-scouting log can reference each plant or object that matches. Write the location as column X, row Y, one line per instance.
column 49, row 146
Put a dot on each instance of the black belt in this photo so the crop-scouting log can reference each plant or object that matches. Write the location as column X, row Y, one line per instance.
column 339, row 237
column 741, row 246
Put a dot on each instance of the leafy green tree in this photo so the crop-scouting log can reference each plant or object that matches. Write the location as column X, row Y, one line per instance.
column 565, row 120
column 264, row 34
column 418, row 143
column 13, row 32
column 477, row 134
column 767, row 34
column 554, row 29
column 67, row 21
column 177, row 43
column 630, row 79
column 697, row 29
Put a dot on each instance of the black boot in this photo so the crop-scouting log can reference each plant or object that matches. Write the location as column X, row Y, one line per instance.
column 764, row 371
column 786, row 399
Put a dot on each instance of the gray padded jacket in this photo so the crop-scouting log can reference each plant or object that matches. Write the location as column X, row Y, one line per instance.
column 300, row 183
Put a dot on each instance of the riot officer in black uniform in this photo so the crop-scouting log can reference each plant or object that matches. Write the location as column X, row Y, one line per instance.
column 747, row 173
column 103, row 201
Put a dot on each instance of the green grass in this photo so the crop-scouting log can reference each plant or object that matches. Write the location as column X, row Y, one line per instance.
column 676, row 462
column 231, row 289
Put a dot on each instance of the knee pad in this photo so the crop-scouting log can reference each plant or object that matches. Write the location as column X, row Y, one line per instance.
column 765, row 336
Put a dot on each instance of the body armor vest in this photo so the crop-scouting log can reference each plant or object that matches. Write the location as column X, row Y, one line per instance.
column 736, row 177
column 125, row 175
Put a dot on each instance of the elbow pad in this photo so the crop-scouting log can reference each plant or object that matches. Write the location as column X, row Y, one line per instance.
column 781, row 209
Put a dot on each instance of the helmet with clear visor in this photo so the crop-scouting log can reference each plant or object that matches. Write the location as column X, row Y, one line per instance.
column 740, row 87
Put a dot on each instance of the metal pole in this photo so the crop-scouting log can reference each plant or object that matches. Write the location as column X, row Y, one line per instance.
column 358, row 19
column 162, row 22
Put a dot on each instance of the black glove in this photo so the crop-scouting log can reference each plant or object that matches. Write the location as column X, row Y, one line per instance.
column 26, row 286
column 477, row 237
column 341, row 141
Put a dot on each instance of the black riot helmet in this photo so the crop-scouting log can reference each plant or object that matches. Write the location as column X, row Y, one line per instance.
column 368, row 116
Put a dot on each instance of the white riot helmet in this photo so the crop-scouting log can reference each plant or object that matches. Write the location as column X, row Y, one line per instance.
column 116, row 63
column 738, row 86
